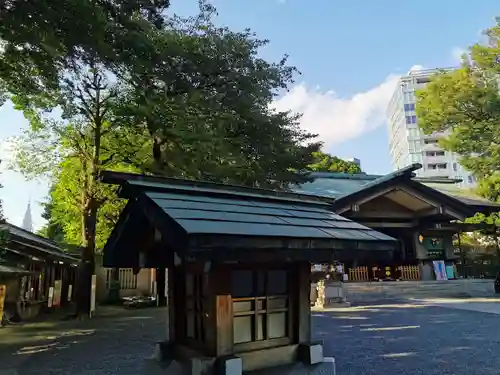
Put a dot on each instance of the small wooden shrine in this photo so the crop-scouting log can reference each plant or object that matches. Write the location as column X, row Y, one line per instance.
column 239, row 267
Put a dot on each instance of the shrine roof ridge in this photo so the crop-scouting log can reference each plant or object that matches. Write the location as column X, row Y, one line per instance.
column 131, row 182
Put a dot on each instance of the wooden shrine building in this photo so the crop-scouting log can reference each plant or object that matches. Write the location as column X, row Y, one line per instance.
column 422, row 214
column 239, row 267
column 37, row 274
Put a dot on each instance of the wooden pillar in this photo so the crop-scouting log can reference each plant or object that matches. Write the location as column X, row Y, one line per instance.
column 160, row 286
column 303, row 300
column 65, row 285
column 171, row 303
column 222, row 322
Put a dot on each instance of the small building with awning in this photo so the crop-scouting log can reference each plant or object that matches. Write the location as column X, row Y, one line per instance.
column 239, row 266
column 37, row 273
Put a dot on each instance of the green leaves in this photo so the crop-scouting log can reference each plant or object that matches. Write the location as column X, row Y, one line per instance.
column 327, row 163
column 465, row 103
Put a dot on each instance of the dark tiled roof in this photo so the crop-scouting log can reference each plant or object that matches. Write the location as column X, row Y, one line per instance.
column 199, row 214
column 338, row 185
column 254, row 212
column 9, row 270
column 37, row 243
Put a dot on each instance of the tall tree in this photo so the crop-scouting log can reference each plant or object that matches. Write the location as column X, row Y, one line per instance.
column 203, row 96
column 464, row 104
column 195, row 96
column 40, row 40
column 324, row 162
column 52, row 230
column 74, row 149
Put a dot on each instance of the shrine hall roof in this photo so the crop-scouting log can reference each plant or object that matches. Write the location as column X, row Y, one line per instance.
column 338, row 186
column 206, row 212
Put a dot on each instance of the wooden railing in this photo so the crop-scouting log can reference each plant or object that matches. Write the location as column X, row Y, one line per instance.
column 403, row 272
column 409, row 272
column 359, row 274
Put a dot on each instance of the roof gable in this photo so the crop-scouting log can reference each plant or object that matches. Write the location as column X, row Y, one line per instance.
column 345, row 187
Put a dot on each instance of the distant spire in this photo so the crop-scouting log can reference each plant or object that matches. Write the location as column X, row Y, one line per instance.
column 27, row 221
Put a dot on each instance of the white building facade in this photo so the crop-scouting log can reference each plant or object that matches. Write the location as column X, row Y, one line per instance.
column 408, row 144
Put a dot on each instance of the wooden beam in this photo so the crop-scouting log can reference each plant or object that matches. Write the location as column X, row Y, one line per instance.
column 303, row 314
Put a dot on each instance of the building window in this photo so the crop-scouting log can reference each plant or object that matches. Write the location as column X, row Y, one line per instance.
column 439, row 166
column 261, row 306
column 455, row 167
column 434, row 153
column 430, row 141
column 409, row 107
column 196, row 288
column 423, row 80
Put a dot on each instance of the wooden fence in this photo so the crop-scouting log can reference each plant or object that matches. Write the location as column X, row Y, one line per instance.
column 363, row 273
column 359, row 274
column 409, row 272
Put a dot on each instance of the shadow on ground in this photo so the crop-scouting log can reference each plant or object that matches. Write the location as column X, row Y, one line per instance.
column 61, row 346
column 409, row 338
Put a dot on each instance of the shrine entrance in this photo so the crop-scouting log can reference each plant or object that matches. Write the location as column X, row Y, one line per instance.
column 239, row 268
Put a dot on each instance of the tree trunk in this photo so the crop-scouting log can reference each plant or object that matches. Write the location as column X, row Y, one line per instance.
column 87, row 264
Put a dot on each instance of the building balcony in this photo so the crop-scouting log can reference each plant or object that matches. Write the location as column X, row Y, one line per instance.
column 438, row 172
column 438, row 159
column 431, row 147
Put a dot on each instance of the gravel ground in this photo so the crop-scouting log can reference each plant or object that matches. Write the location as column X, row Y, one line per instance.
column 383, row 338
column 410, row 339
column 115, row 345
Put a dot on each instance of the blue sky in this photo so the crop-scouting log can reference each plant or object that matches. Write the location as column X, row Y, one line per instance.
column 349, row 53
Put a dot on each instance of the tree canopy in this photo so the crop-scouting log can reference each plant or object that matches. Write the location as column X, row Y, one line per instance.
column 141, row 91
column 464, row 104
column 40, row 40
column 324, row 162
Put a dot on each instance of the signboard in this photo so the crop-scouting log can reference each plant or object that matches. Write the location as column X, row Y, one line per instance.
column 433, row 245
column 440, row 270
column 56, row 300
column 70, row 292
column 3, row 292
column 93, row 294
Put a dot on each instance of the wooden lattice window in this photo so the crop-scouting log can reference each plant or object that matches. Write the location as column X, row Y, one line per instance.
column 261, row 308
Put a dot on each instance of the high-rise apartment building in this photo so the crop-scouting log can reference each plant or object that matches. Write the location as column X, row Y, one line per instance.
column 408, row 144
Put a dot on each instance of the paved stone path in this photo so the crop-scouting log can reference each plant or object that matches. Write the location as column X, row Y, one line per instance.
column 389, row 337
column 411, row 338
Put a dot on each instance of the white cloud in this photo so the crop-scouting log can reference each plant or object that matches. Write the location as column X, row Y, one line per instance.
column 456, row 54
column 337, row 119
